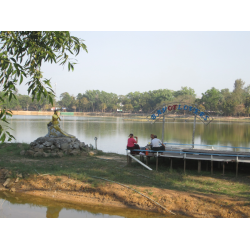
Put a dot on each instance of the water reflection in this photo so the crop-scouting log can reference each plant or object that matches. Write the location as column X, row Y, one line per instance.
column 26, row 206
column 53, row 212
column 112, row 132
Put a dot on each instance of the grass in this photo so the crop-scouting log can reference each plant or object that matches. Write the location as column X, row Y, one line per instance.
column 115, row 168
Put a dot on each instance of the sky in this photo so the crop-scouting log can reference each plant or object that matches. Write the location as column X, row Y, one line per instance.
column 127, row 61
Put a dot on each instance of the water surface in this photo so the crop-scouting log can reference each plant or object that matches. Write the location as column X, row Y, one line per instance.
column 13, row 205
column 112, row 132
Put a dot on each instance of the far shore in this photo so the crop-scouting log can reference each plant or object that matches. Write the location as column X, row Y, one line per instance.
column 134, row 116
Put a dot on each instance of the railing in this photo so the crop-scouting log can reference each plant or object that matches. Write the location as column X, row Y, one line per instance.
column 191, row 153
column 212, row 146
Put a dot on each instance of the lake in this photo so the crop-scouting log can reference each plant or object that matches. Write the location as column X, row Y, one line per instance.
column 112, row 132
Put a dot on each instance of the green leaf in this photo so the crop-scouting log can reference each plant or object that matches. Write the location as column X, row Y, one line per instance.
column 51, row 100
column 21, row 79
column 3, row 137
column 13, row 59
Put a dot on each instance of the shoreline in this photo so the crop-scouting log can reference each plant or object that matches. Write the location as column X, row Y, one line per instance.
column 71, row 179
column 183, row 204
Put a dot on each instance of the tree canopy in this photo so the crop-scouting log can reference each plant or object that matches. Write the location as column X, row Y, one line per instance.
column 22, row 54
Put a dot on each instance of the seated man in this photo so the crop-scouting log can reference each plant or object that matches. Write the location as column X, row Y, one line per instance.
column 150, row 143
column 157, row 145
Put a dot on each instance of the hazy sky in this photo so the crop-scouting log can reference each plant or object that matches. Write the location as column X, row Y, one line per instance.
column 124, row 61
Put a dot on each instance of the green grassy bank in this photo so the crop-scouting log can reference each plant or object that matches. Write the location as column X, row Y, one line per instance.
column 114, row 167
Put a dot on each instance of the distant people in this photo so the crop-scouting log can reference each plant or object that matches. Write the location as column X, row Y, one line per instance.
column 157, row 145
column 132, row 144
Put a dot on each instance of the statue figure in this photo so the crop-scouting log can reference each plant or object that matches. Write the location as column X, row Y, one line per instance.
column 54, row 129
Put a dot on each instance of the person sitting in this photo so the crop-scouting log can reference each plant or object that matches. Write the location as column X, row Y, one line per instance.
column 132, row 144
column 152, row 136
column 157, row 145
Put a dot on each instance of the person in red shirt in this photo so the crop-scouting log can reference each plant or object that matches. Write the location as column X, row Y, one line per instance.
column 132, row 143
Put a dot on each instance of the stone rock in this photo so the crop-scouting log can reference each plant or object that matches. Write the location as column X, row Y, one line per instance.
column 36, row 145
column 22, row 152
column 38, row 150
column 19, row 175
column 17, row 180
column 56, row 146
column 46, row 155
column 30, row 153
column 12, row 189
column 75, row 152
column 48, row 151
column 37, row 154
column 76, row 145
column 64, row 146
column 40, row 140
column 48, row 144
column 68, row 140
column 6, row 182
column 60, row 154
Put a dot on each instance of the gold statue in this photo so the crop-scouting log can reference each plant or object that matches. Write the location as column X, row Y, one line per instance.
column 54, row 129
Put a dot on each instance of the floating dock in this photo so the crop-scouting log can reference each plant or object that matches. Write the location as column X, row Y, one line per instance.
column 199, row 155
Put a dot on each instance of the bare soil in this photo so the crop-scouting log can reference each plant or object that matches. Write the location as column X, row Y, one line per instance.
column 183, row 204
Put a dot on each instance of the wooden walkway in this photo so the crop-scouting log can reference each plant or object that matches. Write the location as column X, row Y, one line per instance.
column 197, row 155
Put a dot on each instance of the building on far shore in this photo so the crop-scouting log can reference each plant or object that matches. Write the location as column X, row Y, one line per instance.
column 57, row 108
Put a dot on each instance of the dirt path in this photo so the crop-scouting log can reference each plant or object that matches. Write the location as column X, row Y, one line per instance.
column 113, row 195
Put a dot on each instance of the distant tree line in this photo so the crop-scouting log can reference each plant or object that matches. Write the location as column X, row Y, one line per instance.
column 24, row 102
column 235, row 103
column 222, row 101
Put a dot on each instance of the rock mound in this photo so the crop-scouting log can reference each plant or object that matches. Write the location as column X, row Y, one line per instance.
column 57, row 147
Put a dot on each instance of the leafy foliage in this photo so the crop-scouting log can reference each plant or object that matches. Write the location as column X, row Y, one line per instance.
column 22, row 54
